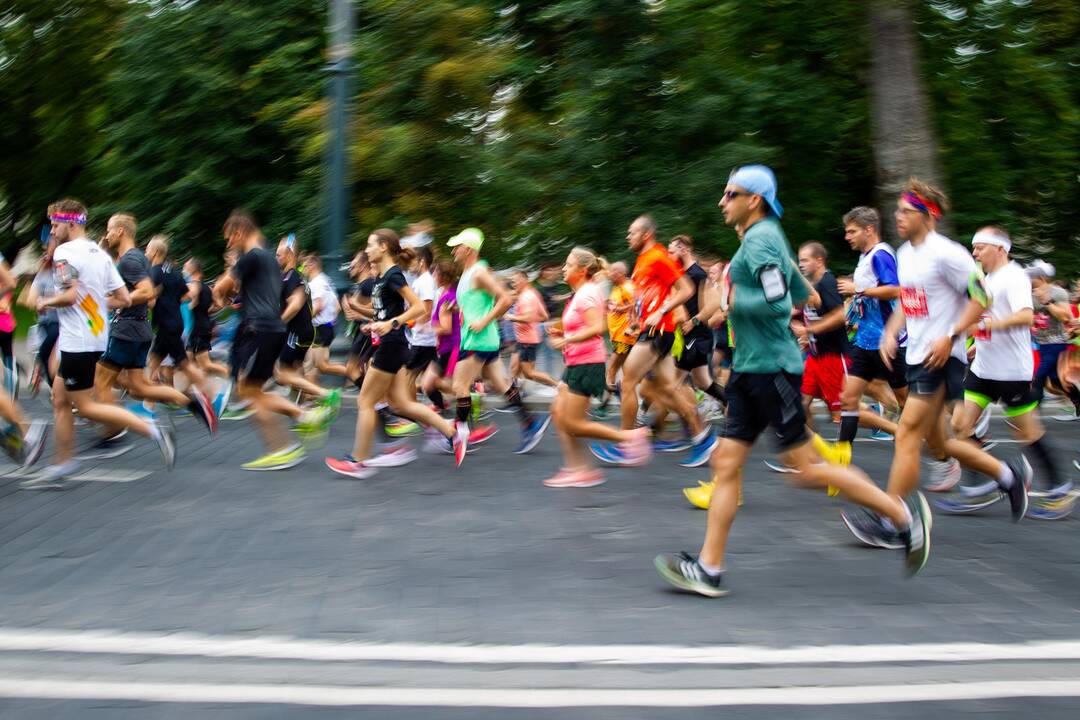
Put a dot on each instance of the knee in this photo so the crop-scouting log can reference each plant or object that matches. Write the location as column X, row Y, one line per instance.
column 849, row 398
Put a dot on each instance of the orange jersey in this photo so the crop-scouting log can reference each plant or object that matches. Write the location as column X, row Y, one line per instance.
column 655, row 274
column 619, row 321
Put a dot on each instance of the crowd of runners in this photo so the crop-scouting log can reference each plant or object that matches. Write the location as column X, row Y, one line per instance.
column 700, row 356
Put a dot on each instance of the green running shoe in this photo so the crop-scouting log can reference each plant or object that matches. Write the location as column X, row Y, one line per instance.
column 279, row 460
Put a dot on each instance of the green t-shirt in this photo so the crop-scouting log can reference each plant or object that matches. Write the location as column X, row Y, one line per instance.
column 763, row 339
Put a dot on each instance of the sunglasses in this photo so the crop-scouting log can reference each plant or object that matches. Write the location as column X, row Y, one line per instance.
column 732, row 194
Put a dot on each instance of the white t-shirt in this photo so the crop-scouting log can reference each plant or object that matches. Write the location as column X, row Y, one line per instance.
column 1005, row 354
column 422, row 334
column 933, row 293
column 84, row 326
column 320, row 287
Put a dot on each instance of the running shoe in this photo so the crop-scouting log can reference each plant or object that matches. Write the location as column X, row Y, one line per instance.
column 575, row 479
column 685, row 572
column 533, row 434
column 11, row 439
column 1076, row 464
column 867, row 527
column 605, row 452
column 966, row 502
column 141, row 410
column 167, row 445
column 351, row 468
column 315, row 420
column 700, row 496
column 943, row 475
column 834, row 453
column 982, row 425
column 715, row 414
column 1057, row 504
column 482, row 433
column 202, row 409
column 670, row 446
column 1018, row 493
column 403, row 428
column 221, row 402
column 780, row 468
column 33, row 443
column 702, row 450
column 53, row 477
column 638, row 449
column 107, row 448
column 278, row 460
column 332, row 401
column 1068, row 417
column 599, row 413
column 394, row 457
column 461, row 442
column 916, row 537
column 644, row 419
column 882, row 436
column 237, row 413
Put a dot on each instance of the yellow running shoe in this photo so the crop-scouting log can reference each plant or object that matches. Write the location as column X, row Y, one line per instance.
column 834, row 453
column 279, row 460
column 700, row 496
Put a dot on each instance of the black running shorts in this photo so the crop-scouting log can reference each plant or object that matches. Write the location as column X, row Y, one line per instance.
column 697, row 352
column 255, row 353
column 757, row 401
column 170, row 345
column 868, row 365
column 922, row 381
column 420, row 357
column 77, row 369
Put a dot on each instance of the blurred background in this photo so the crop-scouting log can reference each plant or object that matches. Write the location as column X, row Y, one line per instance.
column 547, row 123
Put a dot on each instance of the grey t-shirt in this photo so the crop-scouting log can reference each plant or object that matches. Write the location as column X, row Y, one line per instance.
column 259, row 276
column 131, row 323
column 1048, row 329
column 46, row 287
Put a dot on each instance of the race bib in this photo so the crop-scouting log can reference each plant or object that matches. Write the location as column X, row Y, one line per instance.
column 913, row 300
column 983, row 333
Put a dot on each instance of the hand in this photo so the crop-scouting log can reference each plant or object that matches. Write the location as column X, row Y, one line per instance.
column 477, row 326
column 687, row 326
column 940, row 350
column 888, row 349
column 804, row 342
column 799, row 329
column 557, row 342
column 40, row 305
column 846, row 286
column 971, row 352
column 1042, row 294
column 654, row 319
column 379, row 328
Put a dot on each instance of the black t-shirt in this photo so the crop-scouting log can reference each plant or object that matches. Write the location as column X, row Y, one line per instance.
column 259, row 276
column 833, row 341
column 548, row 292
column 300, row 323
column 201, row 324
column 386, row 299
column 131, row 323
column 699, row 277
column 167, row 318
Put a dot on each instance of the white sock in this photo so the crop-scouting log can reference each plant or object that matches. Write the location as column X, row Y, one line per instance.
column 711, row 570
column 1006, row 477
column 155, row 431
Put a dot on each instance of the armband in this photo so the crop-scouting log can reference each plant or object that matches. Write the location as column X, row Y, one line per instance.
column 773, row 283
column 977, row 289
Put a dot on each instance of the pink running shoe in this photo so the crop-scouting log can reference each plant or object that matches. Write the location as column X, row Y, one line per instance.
column 482, row 433
column 576, row 479
column 350, row 468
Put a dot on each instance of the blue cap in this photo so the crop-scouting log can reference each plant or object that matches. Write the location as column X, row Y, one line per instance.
column 759, row 180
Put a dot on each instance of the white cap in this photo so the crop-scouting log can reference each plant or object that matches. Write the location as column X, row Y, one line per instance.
column 1040, row 269
column 989, row 236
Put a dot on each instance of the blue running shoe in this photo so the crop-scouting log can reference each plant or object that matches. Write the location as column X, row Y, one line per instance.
column 962, row 502
column 882, row 436
column 700, row 452
column 141, row 410
column 605, row 452
column 533, row 434
column 670, row 446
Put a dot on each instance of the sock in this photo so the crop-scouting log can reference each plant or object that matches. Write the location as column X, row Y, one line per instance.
column 155, row 431
column 716, row 392
column 464, row 407
column 513, row 398
column 710, row 570
column 437, row 398
column 1006, row 478
column 1042, row 453
column 849, row 425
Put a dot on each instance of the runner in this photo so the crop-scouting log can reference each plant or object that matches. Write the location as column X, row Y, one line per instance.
column 580, row 339
column 391, row 295
column 722, row 350
column 48, row 323
column 622, row 329
column 171, row 289
column 697, row 335
column 22, row 440
column 89, row 287
column 941, row 295
column 527, row 314
column 1052, row 314
column 324, row 310
column 258, row 344
column 1001, row 372
column 764, row 391
column 482, row 300
column 660, row 287
column 202, row 330
column 129, row 341
column 446, row 326
column 421, row 335
column 299, row 329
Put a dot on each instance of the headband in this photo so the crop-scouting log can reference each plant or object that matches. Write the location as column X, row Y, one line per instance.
column 989, row 237
column 923, row 204
column 68, row 217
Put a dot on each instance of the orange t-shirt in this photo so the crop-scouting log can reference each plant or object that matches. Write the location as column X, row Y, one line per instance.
column 655, row 274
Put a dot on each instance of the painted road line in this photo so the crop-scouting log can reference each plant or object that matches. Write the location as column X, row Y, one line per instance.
column 113, row 642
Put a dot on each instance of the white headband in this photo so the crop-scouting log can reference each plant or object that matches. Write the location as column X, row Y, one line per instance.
column 991, row 237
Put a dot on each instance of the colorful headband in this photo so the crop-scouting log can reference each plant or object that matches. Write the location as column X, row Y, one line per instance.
column 922, row 204
column 77, row 218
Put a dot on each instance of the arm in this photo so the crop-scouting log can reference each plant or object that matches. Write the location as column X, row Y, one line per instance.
column 594, row 325
column 445, row 323
column 1020, row 318
column 7, row 280
column 682, row 291
column 296, row 301
column 192, row 293
column 224, row 288
column 119, row 298
column 1059, row 311
column 66, row 298
column 29, row 296
column 831, row 321
column 413, row 312
column 503, row 301
column 144, row 292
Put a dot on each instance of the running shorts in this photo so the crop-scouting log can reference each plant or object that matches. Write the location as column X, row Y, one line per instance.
column 697, row 352
column 922, row 381
column 867, row 365
column 1017, row 396
column 77, row 369
column 199, row 344
column 527, row 352
column 295, row 349
column 420, row 357
column 324, row 335
column 660, row 342
column 621, row 348
column 170, row 345
column 486, row 357
column 588, row 379
column 757, row 401
column 255, row 353
column 391, row 354
column 125, row 354
column 823, row 377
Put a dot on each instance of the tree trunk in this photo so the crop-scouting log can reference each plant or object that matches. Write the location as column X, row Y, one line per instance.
column 904, row 142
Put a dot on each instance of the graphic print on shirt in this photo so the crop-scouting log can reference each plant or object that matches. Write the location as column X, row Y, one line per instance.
column 913, row 300
column 94, row 320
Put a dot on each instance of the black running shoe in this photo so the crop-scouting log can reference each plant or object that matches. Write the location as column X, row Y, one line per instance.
column 685, row 572
column 106, row 448
column 167, row 445
column 1018, row 493
column 34, row 442
column 867, row 527
column 916, row 538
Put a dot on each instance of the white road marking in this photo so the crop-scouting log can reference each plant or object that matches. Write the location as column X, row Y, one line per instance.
column 193, row 644
column 69, row 689
column 117, row 476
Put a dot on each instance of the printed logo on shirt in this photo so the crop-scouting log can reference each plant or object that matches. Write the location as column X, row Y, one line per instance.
column 93, row 315
column 913, row 300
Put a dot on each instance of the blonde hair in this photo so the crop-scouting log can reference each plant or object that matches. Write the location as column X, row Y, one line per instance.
column 587, row 260
column 158, row 242
column 127, row 223
column 929, row 192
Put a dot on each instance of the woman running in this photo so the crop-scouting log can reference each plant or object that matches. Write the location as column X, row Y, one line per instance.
column 581, row 340
column 390, row 296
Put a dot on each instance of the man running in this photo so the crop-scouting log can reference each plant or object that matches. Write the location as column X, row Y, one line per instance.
column 823, row 332
column 622, row 328
column 482, row 300
column 660, row 286
column 1051, row 306
column 90, row 287
column 324, row 311
column 201, row 301
column 1001, row 372
column 258, row 344
column 941, row 295
column 764, row 391
column 528, row 312
column 130, row 338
